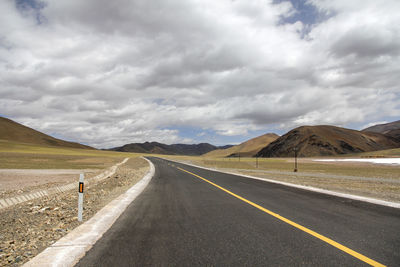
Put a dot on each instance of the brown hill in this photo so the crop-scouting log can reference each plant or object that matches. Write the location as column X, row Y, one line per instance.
column 159, row 148
column 13, row 131
column 326, row 140
column 245, row 149
column 394, row 133
column 391, row 129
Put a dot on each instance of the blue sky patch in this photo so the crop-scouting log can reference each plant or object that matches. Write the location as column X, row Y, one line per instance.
column 32, row 7
column 306, row 12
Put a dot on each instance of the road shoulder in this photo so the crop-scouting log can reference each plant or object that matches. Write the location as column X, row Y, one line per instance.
column 69, row 249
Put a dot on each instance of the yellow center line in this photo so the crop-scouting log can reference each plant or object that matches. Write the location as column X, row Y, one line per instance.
column 298, row 226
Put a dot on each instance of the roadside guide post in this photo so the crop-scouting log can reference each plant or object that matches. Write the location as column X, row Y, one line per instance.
column 295, row 159
column 80, row 197
column 256, row 162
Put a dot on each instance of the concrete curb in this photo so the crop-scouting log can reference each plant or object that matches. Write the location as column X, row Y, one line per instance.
column 71, row 248
column 309, row 188
column 7, row 202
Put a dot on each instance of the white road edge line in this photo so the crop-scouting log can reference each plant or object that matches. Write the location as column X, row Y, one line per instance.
column 309, row 188
column 71, row 248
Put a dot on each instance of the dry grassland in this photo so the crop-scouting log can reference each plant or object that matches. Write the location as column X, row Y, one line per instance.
column 27, row 156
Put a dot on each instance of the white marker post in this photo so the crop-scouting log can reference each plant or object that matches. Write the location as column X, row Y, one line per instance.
column 80, row 197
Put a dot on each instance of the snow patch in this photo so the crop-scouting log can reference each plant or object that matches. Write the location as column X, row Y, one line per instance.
column 390, row 161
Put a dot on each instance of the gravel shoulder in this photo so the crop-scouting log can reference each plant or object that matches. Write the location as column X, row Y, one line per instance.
column 28, row 228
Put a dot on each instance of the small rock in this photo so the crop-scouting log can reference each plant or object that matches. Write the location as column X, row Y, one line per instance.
column 18, row 259
column 44, row 209
column 34, row 208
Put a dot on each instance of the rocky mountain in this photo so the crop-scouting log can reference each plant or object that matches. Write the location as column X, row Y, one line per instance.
column 245, row 149
column 15, row 132
column 391, row 129
column 159, row 148
column 325, row 140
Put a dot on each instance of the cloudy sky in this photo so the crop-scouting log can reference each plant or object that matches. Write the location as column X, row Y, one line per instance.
column 107, row 73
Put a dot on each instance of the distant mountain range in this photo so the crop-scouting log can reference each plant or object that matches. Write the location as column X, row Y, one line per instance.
column 325, row 140
column 175, row 149
column 15, row 132
column 322, row 140
column 310, row 141
column 245, row 149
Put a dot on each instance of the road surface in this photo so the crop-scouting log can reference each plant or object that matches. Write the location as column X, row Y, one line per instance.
column 189, row 216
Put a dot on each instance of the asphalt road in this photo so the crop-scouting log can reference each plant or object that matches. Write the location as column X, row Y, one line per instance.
column 183, row 220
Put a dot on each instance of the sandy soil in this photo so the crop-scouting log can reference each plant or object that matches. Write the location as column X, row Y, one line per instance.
column 17, row 181
column 12, row 179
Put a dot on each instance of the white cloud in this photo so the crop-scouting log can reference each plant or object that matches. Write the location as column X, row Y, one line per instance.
column 113, row 72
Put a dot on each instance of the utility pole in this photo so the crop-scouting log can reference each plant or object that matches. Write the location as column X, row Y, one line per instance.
column 295, row 159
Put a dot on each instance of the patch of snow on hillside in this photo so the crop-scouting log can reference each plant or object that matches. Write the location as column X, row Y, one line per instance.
column 390, row 161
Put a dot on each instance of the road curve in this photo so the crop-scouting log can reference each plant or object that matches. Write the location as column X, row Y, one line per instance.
column 194, row 217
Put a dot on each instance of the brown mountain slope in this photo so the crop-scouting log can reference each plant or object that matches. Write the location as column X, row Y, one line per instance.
column 245, row 149
column 394, row 133
column 390, row 129
column 326, row 140
column 13, row 131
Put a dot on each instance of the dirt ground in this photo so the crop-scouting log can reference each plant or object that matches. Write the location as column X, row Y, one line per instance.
column 28, row 228
column 24, row 179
